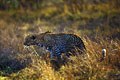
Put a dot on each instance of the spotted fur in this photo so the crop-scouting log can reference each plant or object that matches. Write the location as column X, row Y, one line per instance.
column 56, row 44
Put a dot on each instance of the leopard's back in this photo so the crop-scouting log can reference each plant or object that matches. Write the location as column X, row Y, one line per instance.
column 65, row 42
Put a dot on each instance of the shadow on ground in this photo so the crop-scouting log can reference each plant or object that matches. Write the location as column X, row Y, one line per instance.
column 11, row 64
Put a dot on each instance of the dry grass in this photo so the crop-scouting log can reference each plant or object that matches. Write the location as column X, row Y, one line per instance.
column 20, row 64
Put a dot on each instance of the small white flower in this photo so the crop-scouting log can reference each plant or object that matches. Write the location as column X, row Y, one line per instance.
column 103, row 52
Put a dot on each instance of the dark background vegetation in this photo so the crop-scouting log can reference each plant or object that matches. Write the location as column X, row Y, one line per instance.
column 96, row 21
column 80, row 14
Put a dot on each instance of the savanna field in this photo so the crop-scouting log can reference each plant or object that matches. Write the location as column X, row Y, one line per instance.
column 96, row 22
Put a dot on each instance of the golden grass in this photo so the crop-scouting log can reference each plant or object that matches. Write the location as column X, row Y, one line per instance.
column 88, row 67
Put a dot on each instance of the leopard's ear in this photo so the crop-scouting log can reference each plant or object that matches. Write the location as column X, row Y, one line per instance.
column 47, row 32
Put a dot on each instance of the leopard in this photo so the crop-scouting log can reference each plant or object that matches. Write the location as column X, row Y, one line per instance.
column 56, row 43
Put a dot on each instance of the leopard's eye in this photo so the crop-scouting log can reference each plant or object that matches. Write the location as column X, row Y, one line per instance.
column 33, row 37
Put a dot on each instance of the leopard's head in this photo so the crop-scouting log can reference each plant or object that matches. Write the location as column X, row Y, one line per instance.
column 35, row 39
column 30, row 40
